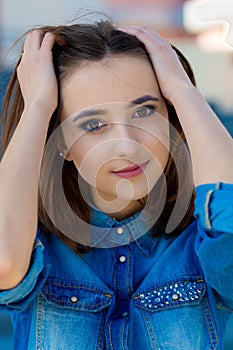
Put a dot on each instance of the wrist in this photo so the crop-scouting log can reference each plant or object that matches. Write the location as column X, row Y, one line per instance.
column 183, row 93
column 37, row 111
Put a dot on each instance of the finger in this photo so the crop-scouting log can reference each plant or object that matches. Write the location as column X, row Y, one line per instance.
column 150, row 38
column 145, row 33
column 33, row 41
column 48, row 41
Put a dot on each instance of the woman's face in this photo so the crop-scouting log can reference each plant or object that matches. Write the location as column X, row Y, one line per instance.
column 116, row 128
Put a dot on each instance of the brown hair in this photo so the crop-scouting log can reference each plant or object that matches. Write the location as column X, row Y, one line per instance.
column 76, row 44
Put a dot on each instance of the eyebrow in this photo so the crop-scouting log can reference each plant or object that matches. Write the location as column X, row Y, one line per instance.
column 101, row 111
column 143, row 99
column 89, row 113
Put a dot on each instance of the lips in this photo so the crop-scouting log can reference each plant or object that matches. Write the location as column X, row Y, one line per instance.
column 131, row 171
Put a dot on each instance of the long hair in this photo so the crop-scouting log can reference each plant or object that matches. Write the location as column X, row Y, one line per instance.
column 76, row 44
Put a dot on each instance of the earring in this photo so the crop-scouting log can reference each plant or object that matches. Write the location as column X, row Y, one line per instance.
column 61, row 154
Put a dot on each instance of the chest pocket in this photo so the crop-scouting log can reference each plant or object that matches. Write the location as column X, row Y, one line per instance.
column 171, row 295
column 177, row 312
column 70, row 315
column 76, row 295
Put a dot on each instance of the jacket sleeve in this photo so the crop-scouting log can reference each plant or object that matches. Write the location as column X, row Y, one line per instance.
column 19, row 297
column 214, row 243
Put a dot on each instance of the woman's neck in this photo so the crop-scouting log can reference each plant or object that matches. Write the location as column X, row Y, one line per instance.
column 116, row 208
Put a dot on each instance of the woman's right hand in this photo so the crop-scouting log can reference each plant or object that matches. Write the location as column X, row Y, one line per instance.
column 20, row 164
column 36, row 73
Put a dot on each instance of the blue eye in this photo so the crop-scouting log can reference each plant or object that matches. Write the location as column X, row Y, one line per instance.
column 93, row 125
column 144, row 111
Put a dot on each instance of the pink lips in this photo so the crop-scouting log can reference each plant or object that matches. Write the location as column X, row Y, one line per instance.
column 132, row 171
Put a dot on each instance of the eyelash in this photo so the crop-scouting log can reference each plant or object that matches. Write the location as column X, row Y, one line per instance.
column 86, row 126
column 151, row 109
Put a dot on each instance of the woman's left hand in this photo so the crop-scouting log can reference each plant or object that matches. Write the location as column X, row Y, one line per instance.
column 208, row 140
column 171, row 75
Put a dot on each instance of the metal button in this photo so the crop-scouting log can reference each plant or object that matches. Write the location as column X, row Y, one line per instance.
column 175, row 297
column 120, row 231
column 122, row 258
column 74, row 299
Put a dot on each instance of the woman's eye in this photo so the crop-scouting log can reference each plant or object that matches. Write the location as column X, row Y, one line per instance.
column 93, row 125
column 144, row 111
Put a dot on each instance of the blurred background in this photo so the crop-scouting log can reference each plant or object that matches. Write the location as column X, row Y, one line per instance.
column 196, row 27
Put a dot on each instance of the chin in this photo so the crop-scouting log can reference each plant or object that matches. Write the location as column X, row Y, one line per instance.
column 135, row 197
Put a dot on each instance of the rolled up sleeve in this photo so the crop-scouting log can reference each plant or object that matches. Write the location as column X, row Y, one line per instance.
column 214, row 206
column 18, row 298
column 214, row 243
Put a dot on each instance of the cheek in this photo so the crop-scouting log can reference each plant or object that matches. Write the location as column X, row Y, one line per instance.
column 160, row 153
column 89, row 159
column 157, row 142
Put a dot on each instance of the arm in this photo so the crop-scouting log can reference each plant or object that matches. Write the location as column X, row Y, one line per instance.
column 211, row 147
column 20, row 166
column 214, row 242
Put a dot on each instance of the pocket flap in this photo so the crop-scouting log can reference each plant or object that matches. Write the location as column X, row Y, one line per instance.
column 76, row 295
column 171, row 294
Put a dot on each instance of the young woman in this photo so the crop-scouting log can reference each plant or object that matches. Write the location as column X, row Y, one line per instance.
column 118, row 108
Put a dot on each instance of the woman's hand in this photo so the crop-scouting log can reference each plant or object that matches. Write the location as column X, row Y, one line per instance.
column 210, row 144
column 20, row 165
column 171, row 75
column 36, row 74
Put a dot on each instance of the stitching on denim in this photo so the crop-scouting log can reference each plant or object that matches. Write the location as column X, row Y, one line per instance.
column 115, row 286
column 153, row 342
column 101, row 238
column 52, row 298
column 152, row 328
column 206, row 209
column 123, row 333
column 135, row 232
column 38, row 323
column 110, row 335
column 208, row 317
column 212, row 323
column 100, row 342
column 223, row 307
column 74, row 287
column 127, row 277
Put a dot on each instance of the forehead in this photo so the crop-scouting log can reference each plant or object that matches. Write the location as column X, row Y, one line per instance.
column 116, row 79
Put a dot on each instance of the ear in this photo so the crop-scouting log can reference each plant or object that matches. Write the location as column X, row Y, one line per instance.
column 62, row 150
column 64, row 155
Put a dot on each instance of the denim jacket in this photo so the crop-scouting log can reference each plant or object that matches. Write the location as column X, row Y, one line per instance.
column 153, row 293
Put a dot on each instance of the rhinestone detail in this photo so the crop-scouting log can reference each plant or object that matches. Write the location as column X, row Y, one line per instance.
column 171, row 295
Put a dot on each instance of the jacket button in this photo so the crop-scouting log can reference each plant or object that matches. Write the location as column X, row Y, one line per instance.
column 122, row 258
column 120, row 231
column 74, row 299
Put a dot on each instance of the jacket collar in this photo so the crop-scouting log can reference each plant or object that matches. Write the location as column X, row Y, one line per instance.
column 107, row 232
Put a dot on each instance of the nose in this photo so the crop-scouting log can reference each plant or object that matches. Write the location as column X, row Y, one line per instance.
column 125, row 141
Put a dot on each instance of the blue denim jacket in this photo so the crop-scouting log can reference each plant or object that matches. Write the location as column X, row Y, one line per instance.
column 153, row 293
